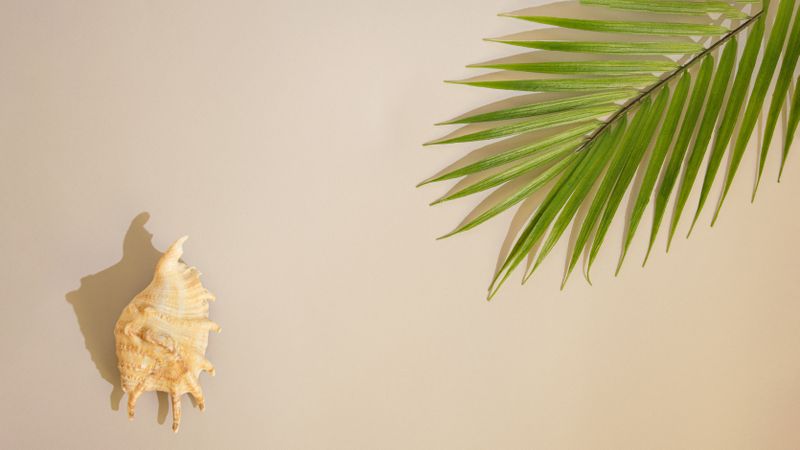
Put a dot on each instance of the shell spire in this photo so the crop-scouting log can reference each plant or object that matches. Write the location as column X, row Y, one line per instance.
column 173, row 253
column 162, row 334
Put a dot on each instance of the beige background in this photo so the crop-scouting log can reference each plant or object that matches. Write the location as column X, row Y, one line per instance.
column 284, row 138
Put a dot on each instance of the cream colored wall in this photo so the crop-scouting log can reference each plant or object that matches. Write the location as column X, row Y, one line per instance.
column 284, row 138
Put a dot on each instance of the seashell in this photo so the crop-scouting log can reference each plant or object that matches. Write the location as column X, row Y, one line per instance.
column 162, row 335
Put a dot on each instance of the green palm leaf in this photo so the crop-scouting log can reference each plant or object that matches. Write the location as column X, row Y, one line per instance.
column 515, row 154
column 608, row 118
column 791, row 128
column 537, row 123
column 558, row 152
column 665, row 139
column 779, row 93
column 608, row 26
column 602, row 146
column 707, row 126
column 567, row 84
column 672, row 170
column 763, row 81
column 672, row 7
column 612, row 47
column 546, row 107
column 633, row 149
column 526, row 191
column 732, row 111
column 585, row 67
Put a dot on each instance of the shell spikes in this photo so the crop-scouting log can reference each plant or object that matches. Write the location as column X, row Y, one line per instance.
column 162, row 335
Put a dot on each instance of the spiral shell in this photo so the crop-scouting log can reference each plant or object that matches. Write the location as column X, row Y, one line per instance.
column 162, row 335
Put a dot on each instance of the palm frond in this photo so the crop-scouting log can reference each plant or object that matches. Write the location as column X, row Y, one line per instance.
column 649, row 87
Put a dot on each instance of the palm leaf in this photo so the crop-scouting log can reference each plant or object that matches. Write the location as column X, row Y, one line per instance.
column 732, row 111
column 791, row 128
column 779, row 93
column 772, row 54
column 567, row 84
column 707, row 126
column 672, row 170
column 516, row 153
column 556, row 153
column 652, row 100
column 537, row 123
column 609, row 47
column 609, row 26
column 672, row 7
column 633, row 149
column 665, row 139
column 584, row 67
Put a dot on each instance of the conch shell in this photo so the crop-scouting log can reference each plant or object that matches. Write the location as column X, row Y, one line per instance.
column 162, row 335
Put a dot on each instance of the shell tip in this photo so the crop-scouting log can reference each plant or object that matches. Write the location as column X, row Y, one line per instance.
column 175, row 251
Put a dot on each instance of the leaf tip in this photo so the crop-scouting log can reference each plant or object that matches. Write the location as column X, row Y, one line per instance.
column 528, row 275
column 647, row 255
column 691, row 228
column 450, row 234
column 493, row 290
column 435, row 142
column 719, row 209
column 783, row 165
column 588, row 276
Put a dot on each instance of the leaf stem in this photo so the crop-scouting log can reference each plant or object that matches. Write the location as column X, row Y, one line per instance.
column 633, row 102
